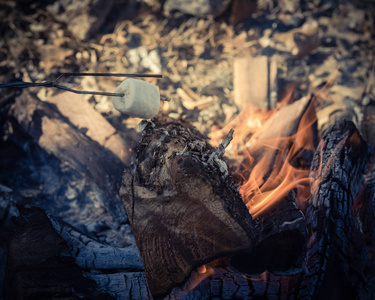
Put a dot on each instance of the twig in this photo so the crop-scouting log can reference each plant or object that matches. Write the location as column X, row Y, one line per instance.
column 220, row 150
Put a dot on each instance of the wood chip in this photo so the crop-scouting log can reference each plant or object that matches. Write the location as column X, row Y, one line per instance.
column 253, row 79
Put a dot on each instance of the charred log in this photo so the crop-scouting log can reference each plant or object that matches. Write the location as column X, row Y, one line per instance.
column 336, row 251
column 282, row 243
column 365, row 219
column 38, row 266
column 182, row 206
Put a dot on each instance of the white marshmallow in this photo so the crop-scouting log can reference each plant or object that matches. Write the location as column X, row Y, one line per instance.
column 141, row 99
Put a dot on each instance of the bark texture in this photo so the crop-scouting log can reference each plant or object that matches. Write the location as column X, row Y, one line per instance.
column 182, row 206
column 337, row 250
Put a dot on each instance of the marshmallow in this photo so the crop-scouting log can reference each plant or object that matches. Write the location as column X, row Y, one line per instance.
column 141, row 99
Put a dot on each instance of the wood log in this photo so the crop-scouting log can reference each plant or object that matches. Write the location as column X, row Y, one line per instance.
column 282, row 227
column 336, row 252
column 77, row 178
column 118, row 271
column 282, row 243
column 8, row 210
column 58, row 136
column 83, row 116
column 365, row 219
column 38, row 266
column 182, row 206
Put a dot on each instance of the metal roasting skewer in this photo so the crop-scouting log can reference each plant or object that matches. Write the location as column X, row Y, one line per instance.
column 54, row 84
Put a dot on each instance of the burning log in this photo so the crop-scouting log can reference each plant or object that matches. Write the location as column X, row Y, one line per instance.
column 336, row 252
column 281, row 155
column 282, row 244
column 182, row 206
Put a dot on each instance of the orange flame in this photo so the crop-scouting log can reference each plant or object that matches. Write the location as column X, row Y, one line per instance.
column 261, row 191
column 271, row 165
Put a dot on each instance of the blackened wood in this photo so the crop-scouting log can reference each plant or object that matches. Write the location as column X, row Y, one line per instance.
column 184, row 210
column 117, row 270
column 38, row 266
column 224, row 283
column 337, row 252
column 365, row 219
column 8, row 210
column 282, row 243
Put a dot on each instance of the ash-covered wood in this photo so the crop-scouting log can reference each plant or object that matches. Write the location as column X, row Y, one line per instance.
column 59, row 137
column 66, row 165
column 182, row 206
column 336, row 250
column 116, row 270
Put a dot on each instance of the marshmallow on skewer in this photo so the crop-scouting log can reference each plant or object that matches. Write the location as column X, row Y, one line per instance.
column 141, row 99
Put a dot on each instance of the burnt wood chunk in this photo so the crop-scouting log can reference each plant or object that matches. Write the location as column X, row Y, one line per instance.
column 38, row 264
column 337, row 250
column 365, row 217
column 282, row 244
column 182, row 206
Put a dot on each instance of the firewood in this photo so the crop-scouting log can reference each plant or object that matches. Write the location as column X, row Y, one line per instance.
column 182, row 206
column 57, row 136
column 87, row 159
column 282, row 226
column 38, row 266
column 254, row 78
column 83, row 116
column 336, row 252
column 8, row 210
column 282, row 243
column 118, row 270
column 365, row 218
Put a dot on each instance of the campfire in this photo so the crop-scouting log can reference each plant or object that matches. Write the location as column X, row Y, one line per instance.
column 254, row 182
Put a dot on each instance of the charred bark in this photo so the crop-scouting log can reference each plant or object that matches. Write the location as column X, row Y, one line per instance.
column 336, row 251
column 365, row 219
column 282, row 244
column 182, row 206
column 38, row 266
